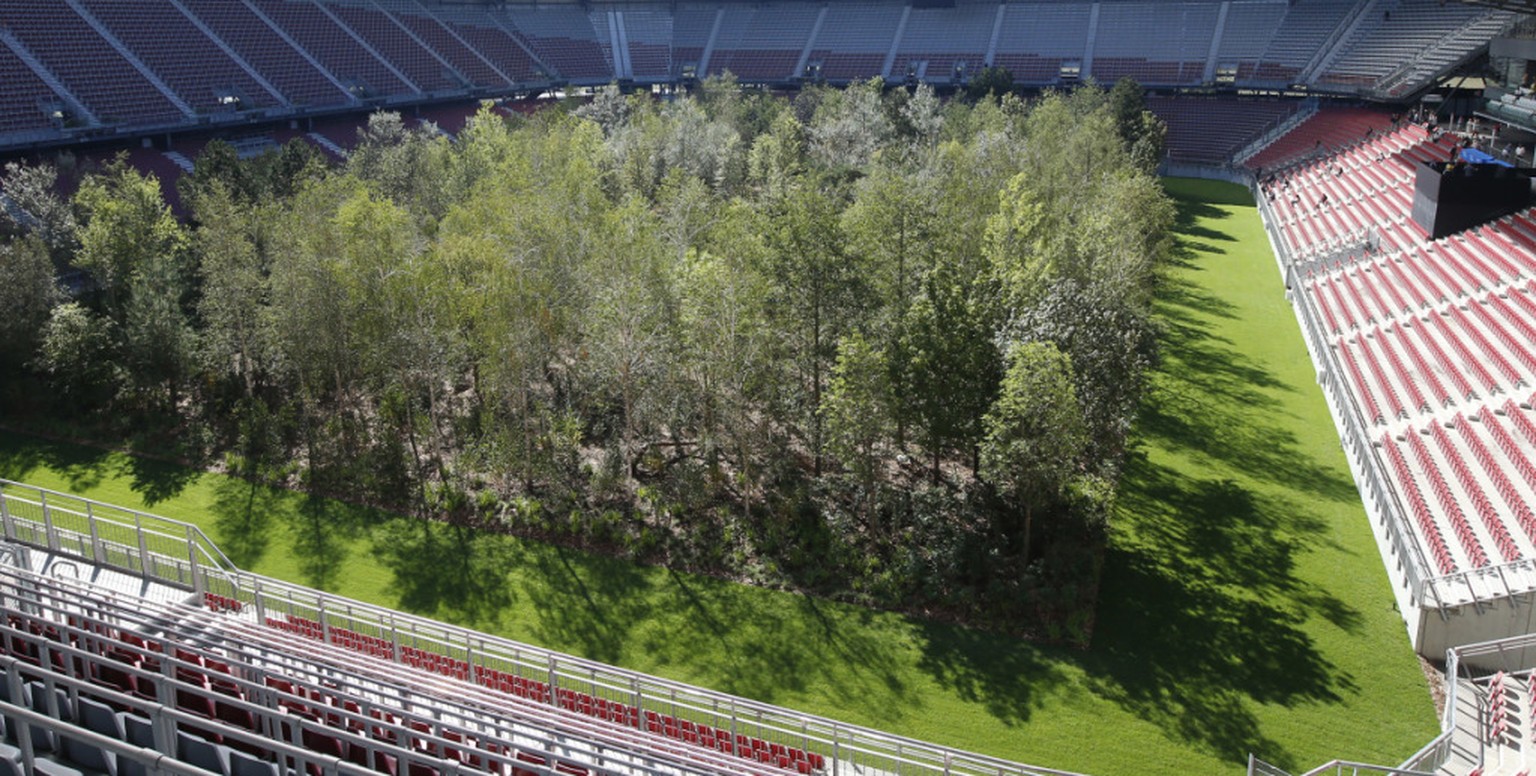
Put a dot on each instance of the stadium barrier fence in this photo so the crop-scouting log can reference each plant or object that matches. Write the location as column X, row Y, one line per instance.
column 179, row 554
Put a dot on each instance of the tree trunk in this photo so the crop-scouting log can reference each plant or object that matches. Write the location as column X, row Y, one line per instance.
column 1029, row 524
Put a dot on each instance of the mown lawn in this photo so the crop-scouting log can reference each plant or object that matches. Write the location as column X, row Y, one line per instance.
column 1244, row 606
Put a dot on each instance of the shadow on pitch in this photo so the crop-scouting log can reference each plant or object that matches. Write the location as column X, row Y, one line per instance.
column 758, row 644
column 1202, row 613
column 82, row 468
column 242, row 518
column 445, row 571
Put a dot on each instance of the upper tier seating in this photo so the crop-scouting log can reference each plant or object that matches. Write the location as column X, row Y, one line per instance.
column 480, row 29
column 25, row 101
column 283, row 67
column 761, row 44
column 86, row 63
column 564, row 39
column 650, row 34
column 943, row 38
column 1398, row 32
column 196, row 68
column 445, row 43
column 355, row 66
column 1306, row 27
column 1036, row 38
column 419, row 63
column 854, row 40
column 1155, row 43
column 315, row 55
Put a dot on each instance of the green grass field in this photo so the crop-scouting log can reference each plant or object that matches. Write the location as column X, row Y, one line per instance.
column 1244, row 605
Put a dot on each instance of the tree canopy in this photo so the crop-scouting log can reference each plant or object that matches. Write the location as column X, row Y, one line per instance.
column 865, row 343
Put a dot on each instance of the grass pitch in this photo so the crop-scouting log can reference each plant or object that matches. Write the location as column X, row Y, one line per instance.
column 1244, row 606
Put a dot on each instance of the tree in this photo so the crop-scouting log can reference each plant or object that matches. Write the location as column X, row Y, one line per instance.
column 30, row 203
column 953, row 366
column 856, row 407
column 777, row 160
column 728, row 356
column 925, row 115
column 1139, row 129
column 28, row 292
column 893, row 227
column 220, row 164
column 629, row 337
column 408, row 166
column 237, row 339
column 819, row 289
column 1034, row 431
column 160, row 342
column 78, row 356
column 609, row 109
column 989, row 83
column 292, row 168
column 849, row 126
column 126, row 225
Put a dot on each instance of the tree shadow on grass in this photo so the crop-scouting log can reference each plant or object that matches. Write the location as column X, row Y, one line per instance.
column 773, row 647
column 242, row 518
column 587, row 604
column 156, row 481
column 1008, row 677
column 757, row 644
column 448, row 571
column 323, row 530
column 81, row 467
column 1202, row 613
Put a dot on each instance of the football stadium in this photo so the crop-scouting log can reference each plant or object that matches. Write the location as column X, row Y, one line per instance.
column 813, row 387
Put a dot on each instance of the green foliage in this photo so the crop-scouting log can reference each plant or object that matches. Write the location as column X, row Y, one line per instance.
column 28, row 292
column 1034, row 430
column 1241, row 607
column 125, row 226
column 989, row 83
column 722, row 331
column 77, row 354
column 35, row 206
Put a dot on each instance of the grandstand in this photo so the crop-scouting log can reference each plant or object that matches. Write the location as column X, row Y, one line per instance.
column 83, row 69
column 130, row 644
column 1427, row 352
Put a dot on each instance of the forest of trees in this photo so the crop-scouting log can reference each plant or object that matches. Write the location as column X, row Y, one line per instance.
column 862, row 343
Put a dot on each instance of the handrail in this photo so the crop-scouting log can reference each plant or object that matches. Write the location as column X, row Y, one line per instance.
column 1309, row 108
column 150, row 534
column 275, row 599
column 649, row 693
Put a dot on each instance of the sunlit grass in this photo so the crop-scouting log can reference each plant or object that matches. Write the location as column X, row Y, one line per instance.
column 1244, row 606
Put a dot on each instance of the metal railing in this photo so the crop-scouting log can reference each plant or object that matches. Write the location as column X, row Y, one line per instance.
column 1308, row 109
column 179, row 554
column 1392, row 516
column 165, row 550
column 1508, row 655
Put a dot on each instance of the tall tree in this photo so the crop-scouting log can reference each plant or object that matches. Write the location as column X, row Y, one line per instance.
column 28, row 292
column 820, row 290
column 125, row 226
column 31, row 203
column 856, row 407
column 849, row 126
column 78, row 354
column 1034, row 432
